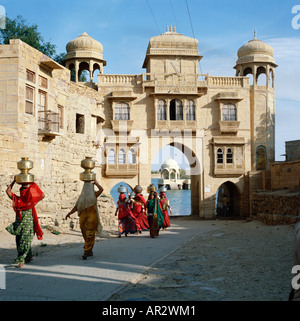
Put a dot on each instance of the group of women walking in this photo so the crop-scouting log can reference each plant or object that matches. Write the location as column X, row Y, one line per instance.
column 135, row 214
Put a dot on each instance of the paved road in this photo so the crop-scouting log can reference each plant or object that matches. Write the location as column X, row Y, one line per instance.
column 117, row 261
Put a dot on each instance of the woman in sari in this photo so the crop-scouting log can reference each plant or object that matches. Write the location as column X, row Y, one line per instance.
column 155, row 215
column 26, row 223
column 127, row 221
column 89, row 218
column 164, row 203
column 138, row 210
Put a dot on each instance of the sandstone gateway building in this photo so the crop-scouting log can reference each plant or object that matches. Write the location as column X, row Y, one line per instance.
column 224, row 125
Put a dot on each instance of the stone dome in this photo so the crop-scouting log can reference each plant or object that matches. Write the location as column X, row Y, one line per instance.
column 172, row 39
column 84, row 46
column 172, row 43
column 255, row 50
column 170, row 164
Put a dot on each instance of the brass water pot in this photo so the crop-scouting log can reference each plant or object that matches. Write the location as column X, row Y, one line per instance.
column 88, row 164
column 138, row 189
column 24, row 165
column 151, row 188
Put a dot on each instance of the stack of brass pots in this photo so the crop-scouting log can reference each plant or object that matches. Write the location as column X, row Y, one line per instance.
column 87, row 164
column 151, row 188
column 24, row 165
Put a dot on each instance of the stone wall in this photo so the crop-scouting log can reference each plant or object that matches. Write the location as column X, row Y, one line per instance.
column 285, row 175
column 276, row 207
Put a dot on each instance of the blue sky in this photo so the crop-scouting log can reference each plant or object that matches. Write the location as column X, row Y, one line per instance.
column 124, row 28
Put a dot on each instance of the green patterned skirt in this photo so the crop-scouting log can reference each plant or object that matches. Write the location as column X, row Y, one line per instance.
column 24, row 235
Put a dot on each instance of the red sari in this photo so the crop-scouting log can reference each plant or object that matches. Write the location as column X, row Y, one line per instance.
column 28, row 198
column 127, row 221
column 164, row 206
column 138, row 210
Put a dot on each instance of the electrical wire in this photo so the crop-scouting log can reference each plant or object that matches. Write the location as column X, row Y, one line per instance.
column 188, row 10
column 153, row 17
column 177, row 25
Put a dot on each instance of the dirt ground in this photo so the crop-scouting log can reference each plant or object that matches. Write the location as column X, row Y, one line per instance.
column 241, row 260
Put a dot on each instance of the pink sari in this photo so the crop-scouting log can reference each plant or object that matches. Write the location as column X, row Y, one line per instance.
column 165, row 212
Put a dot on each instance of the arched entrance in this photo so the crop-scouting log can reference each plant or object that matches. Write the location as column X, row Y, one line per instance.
column 114, row 191
column 232, row 194
column 189, row 191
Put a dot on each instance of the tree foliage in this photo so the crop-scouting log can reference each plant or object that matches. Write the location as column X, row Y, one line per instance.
column 19, row 29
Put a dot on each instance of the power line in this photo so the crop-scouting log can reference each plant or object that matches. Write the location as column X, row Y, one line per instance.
column 188, row 10
column 153, row 17
column 177, row 25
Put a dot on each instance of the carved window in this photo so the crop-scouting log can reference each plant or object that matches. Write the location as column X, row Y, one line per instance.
column 220, row 157
column 111, row 157
column 122, row 156
column 29, row 107
column 229, row 112
column 162, row 110
column 43, row 82
column 190, row 110
column 30, row 76
column 122, row 111
column 176, row 110
column 131, row 156
column 229, row 156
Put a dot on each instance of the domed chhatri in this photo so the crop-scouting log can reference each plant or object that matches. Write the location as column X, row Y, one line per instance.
column 84, row 53
column 255, row 50
column 84, row 46
column 169, row 164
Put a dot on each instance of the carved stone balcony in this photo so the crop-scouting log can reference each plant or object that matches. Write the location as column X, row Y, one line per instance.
column 121, row 170
column 122, row 125
column 229, row 127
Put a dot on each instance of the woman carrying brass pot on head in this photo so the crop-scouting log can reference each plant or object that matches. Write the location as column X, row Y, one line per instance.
column 87, row 208
column 89, row 218
column 26, row 223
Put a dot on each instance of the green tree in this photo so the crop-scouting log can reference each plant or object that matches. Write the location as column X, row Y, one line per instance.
column 19, row 29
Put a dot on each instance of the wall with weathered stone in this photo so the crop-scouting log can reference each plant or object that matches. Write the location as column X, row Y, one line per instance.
column 56, row 158
column 285, row 175
column 277, row 207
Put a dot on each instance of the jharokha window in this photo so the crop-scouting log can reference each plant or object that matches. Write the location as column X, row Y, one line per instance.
column 229, row 112
column 122, row 111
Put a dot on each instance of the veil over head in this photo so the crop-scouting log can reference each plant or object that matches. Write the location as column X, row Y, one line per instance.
column 88, row 199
